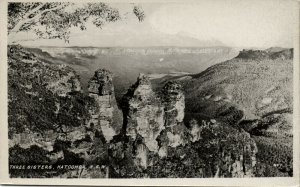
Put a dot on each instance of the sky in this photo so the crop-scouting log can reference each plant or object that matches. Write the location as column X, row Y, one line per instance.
column 235, row 23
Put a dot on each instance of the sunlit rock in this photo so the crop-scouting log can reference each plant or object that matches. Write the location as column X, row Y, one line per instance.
column 143, row 112
column 108, row 117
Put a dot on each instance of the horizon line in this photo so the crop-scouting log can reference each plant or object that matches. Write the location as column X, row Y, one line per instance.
column 162, row 46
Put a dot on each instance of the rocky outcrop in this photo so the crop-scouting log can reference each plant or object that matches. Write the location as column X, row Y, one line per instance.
column 282, row 54
column 26, row 139
column 175, row 132
column 107, row 119
column 173, row 100
column 156, row 121
column 143, row 113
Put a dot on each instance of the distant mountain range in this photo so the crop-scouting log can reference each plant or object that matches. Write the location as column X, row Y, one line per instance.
column 166, row 50
column 127, row 62
column 161, row 39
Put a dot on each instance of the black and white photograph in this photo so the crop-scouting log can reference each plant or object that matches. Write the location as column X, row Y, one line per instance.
column 150, row 89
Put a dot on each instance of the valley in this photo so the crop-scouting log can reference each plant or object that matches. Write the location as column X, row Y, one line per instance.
column 127, row 63
column 152, row 113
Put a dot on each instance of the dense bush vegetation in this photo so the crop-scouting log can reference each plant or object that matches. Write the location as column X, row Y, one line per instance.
column 34, row 108
column 32, row 105
column 279, row 159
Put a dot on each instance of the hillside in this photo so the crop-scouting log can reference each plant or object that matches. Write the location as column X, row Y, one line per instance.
column 257, row 84
column 46, row 114
column 253, row 91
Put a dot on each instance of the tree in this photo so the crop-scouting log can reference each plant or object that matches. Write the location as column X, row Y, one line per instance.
column 54, row 20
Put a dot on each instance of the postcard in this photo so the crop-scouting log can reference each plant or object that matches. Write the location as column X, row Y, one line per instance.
column 148, row 92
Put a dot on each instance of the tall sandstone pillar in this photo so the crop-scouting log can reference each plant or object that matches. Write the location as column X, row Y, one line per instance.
column 175, row 132
column 143, row 113
column 108, row 118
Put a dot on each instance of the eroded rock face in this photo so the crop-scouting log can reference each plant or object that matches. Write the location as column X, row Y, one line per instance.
column 173, row 99
column 108, row 117
column 143, row 112
column 27, row 139
column 156, row 121
column 175, row 132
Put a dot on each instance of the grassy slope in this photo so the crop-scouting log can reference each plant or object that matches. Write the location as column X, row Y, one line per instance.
column 256, row 87
column 252, row 91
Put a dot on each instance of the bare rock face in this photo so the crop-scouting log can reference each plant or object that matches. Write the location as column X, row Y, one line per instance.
column 158, row 120
column 108, row 117
column 173, row 99
column 175, row 132
column 143, row 113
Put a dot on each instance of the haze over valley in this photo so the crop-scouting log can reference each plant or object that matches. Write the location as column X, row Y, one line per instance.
column 127, row 63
